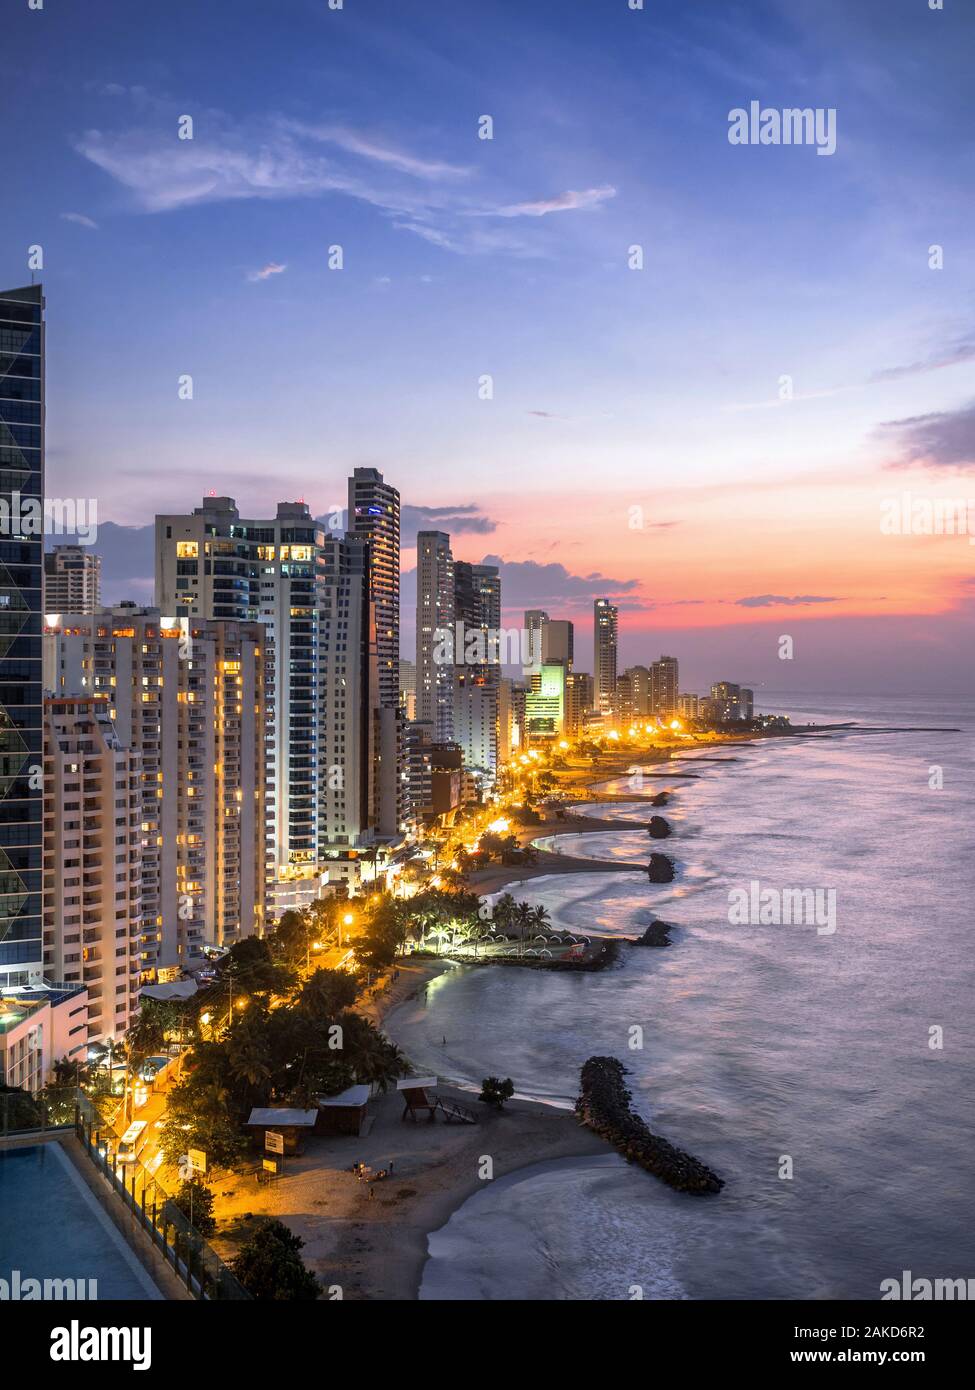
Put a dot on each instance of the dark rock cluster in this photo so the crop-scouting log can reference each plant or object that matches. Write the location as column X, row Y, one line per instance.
column 604, row 1106
column 660, row 869
column 657, row 934
column 660, row 799
column 658, row 828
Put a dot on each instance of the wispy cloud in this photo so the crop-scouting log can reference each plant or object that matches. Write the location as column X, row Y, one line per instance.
column 782, row 601
column 280, row 158
column 266, row 271
column 571, row 201
column 163, row 173
column 943, row 439
column 378, row 151
column 81, row 220
column 952, row 356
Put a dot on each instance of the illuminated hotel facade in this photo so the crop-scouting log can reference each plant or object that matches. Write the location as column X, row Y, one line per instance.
column 188, row 702
column 93, row 873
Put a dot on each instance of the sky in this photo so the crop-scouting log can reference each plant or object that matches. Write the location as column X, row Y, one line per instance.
column 711, row 440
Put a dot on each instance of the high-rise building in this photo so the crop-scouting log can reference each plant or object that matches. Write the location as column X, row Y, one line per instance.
column 212, row 564
column 350, row 773
column 72, row 580
column 534, row 619
column 727, row 702
column 435, row 633
column 664, row 687
column 519, row 717
column 605, row 633
column 188, row 701
column 579, row 697
column 477, row 674
column 93, row 913
column 687, row 706
column 374, row 518
column 407, row 688
column 545, row 704
column 21, row 694
column 558, row 642
column 633, row 690
column 419, row 764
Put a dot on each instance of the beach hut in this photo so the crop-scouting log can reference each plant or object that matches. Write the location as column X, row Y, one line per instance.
column 291, row 1123
column 344, row 1113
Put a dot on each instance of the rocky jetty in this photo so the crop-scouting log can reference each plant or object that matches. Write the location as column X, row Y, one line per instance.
column 660, row 799
column 604, row 1107
column 658, row 828
column 657, row 934
column 660, row 869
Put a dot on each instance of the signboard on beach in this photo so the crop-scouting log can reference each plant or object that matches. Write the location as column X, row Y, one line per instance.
column 273, row 1141
column 197, row 1160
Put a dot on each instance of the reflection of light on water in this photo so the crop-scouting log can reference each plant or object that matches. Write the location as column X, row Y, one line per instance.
column 435, row 985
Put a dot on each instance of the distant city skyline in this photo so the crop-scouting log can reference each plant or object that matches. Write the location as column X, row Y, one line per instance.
column 709, row 441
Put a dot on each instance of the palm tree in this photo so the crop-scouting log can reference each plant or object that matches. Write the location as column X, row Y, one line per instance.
column 247, row 1056
column 504, row 910
column 540, row 919
column 523, row 917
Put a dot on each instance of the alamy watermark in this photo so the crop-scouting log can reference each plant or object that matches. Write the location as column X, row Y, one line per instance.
column 78, row 1343
column 909, row 515
column 793, row 125
column 758, row 906
column 487, row 646
column 55, row 516
column 926, row 1290
column 20, row 1288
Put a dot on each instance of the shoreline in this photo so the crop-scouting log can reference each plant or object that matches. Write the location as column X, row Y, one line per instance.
column 374, row 1239
column 550, row 1132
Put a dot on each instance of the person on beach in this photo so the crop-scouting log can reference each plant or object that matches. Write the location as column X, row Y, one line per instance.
column 445, row 1040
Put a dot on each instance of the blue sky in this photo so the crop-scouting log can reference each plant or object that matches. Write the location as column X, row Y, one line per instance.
column 358, row 127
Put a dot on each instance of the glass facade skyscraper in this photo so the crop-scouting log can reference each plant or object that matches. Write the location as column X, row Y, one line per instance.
column 21, row 565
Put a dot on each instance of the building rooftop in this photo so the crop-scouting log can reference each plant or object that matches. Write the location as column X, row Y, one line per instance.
column 18, row 1003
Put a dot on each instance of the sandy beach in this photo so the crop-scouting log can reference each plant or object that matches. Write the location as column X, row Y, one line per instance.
column 370, row 1239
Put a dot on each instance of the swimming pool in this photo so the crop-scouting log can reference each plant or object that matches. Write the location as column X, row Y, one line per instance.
column 52, row 1228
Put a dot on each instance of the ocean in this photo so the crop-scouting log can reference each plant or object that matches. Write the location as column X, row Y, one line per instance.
column 804, row 1065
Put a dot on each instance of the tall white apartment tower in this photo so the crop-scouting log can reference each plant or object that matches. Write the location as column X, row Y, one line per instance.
column 435, row 633
column 93, row 913
column 188, row 701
